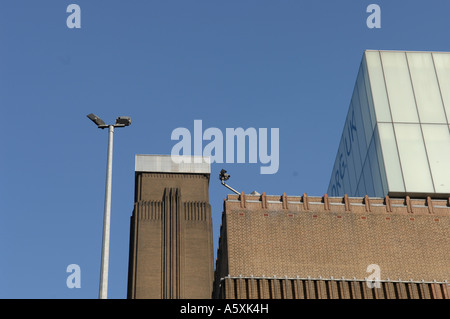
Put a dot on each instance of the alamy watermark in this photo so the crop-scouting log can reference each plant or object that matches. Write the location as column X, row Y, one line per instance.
column 373, row 280
column 374, row 19
column 257, row 148
column 74, row 279
column 74, row 19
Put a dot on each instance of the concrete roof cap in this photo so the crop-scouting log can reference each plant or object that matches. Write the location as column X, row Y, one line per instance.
column 172, row 164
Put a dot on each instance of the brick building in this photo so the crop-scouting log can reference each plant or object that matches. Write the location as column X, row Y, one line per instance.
column 321, row 247
column 171, row 249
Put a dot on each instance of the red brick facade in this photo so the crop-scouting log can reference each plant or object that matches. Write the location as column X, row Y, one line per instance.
column 171, row 249
column 335, row 239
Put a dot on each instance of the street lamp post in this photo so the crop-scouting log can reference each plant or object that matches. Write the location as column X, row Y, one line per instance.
column 121, row 121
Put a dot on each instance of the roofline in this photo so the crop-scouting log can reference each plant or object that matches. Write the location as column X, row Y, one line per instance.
column 407, row 51
column 172, row 164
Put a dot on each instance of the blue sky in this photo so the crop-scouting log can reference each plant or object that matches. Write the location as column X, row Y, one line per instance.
column 284, row 64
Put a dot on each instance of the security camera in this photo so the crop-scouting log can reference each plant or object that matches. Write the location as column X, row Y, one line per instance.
column 223, row 176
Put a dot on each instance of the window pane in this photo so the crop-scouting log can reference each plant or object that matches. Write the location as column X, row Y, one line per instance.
column 355, row 164
column 380, row 161
column 368, row 92
column 360, row 136
column 437, row 142
column 350, row 147
column 390, row 158
column 398, row 83
column 368, row 129
column 416, row 171
column 426, row 89
column 368, row 178
column 442, row 64
column 377, row 86
column 361, row 191
column 375, row 170
column 346, row 182
column 342, row 169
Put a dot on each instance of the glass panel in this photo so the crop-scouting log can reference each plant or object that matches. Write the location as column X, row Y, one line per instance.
column 360, row 136
column 351, row 168
column 346, row 182
column 416, row 171
column 368, row 129
column 426, row 89
column 350, row 137
column 390, row 158
column 380, row 161
column 368, row 92
column 342, row 168
column 377, row 86
column 361, row 191
column 437, row 143
column 357, row 192
column 375, row 170
column 442, row 64
column 398, row 84
column 368, row 178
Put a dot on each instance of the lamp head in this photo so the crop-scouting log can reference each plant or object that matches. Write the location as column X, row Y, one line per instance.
column 94, row 118
column 123, row 121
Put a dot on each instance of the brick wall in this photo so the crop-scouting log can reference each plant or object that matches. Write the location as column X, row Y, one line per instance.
column 171, row 248
column 334, row 237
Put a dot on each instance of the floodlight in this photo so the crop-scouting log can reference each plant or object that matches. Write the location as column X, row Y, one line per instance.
column 123, row 120
column 94, row 118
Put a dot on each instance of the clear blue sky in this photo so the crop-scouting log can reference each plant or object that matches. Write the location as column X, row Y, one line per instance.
column 284, row 64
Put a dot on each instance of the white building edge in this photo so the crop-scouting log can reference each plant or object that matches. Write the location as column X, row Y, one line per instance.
column 396, row 138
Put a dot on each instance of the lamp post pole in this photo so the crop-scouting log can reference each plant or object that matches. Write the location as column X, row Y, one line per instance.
column 121, row 121
column 103, row 293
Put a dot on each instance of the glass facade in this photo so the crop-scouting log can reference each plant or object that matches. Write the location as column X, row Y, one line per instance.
column 396, row 137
